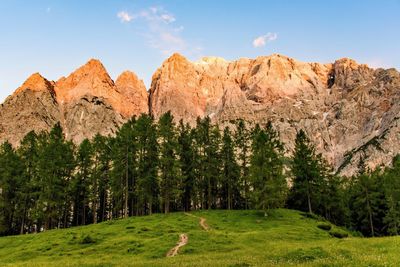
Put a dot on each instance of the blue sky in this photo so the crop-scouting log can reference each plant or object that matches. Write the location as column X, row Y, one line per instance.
column 56, row 37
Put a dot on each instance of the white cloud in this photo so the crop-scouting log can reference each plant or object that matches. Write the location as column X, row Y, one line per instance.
column 264, row 39
column 125, row 16
column 168, row 18
column 160, row 31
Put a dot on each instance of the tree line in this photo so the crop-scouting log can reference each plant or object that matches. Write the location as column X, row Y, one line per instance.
column 159, row 166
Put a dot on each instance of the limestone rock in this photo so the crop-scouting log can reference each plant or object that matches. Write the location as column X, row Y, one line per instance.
column 348, row 109
column 33, row 106
column 86, row 102
column 134, row 91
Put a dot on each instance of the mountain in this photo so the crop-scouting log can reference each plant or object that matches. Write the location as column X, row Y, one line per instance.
column 33, row 106
column 86, row 102
column 350, row 110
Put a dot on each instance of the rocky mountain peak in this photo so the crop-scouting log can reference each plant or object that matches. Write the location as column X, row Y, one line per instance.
column 348, row 74
column 35, row 82
column 127, row 78
column 91, row 78
column 129, row 85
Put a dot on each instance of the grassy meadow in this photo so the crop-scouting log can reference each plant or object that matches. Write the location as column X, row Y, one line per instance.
column 235, row 238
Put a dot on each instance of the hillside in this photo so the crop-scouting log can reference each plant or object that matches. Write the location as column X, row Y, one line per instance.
column 234, row 238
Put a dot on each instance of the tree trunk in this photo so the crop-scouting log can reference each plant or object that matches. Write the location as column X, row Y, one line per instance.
column 371, row 223
column 209, row 193
column 309, row 197
column 23, row 221
column 126, row 185
column 229, row 198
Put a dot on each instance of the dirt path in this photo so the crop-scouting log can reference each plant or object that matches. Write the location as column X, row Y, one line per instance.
column 183, row 240
column 203, row 222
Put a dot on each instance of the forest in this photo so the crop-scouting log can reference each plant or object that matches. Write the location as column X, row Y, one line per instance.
column 161, row 166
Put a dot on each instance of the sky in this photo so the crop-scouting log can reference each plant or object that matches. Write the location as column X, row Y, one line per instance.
column 55, row 37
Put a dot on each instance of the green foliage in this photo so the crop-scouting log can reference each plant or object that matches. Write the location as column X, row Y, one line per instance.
column 324, row 226
column 230, row 189
column 168, row 163
column 157, row 166
column 242, row 139
column 87, row 239
column 281, row 239
column 307, row 176
column 338, row 233
column 266, row 169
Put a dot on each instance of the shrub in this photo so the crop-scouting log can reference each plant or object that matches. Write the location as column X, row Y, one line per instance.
column 338, row 233
column 324, row 226
column 87, row 239
column 310, row 215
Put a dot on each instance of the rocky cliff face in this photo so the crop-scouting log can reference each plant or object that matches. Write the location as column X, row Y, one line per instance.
column 349, row 110
column 86, row 102
column 33, row 106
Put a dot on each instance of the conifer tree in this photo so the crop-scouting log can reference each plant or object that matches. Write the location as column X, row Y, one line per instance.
column 266, row 169
column 230, row 173
column 123, row 182
column 99, row 193
column 28, row 152
column 306, row 184
column 147, row 160
column 392, row 197
column 186, row 156
column 81, row 183
column 365, row 203
column 168, row 163
column 55, row 167
column 10, row 177
column 243, row 143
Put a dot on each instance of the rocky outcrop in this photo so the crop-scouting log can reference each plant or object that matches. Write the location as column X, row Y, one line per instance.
column 92, row 79
column 86, row 102
column 33, row 106
column 349, row 110
column 134, row 91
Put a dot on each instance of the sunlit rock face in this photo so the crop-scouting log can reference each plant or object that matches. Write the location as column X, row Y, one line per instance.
column 33, row 106
column 349, row 110
column 86, row 102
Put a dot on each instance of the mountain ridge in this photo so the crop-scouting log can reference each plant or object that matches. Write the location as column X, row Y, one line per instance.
column 341, row 105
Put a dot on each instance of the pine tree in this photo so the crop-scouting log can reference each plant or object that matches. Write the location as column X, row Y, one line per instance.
column 123, row 182
column 365, row 203
column 168, row 163
column 202, row 139
column 392, row 197
column 186, row 156
column 306, row 185
column 81, row 183
column 230, row 173
column 332, row 204
column 10, row 177
column 243, row 143
column 266, row 169
column 147, row 160
column 99, row 193
column 56, row 164
column 28, row 152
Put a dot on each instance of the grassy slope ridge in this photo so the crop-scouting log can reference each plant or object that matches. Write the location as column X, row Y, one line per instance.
column 236, row 238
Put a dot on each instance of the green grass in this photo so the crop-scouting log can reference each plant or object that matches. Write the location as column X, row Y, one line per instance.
column 236, row 238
